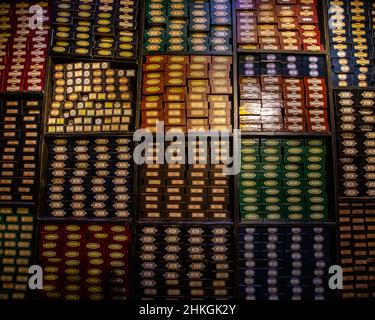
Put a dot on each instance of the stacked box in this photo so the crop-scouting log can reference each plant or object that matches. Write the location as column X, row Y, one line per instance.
column 185, row 262
column 285, row 263
column 274, row 25
column 282, row 93
column 96, row 29
column 283, row 179
column 180, row 191
column 19, row 149
column 84, row 261
column 16, row 235
column 23, row 46
column 91, row 97
column 355, row 126
column 357, row 249
column 90, row 177
column 188, row 26
column 351, row 43
column 187, row 93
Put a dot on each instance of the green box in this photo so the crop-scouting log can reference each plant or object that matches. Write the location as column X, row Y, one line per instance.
column 315, row 167
column 250, row 192
column 295, row 211
column 294, row 143
column 267, row 142
column 251, row 212
column 250, row 143
column 272, row 192
column 251, row 184
column 270, row 175
column 250, row 166
column 293, row 183
column 273, row 211
column 270, row 167
column 250, row 175
column 315, row 183
column 271, row 183
column 250, row 158
column 272, row 158
column 292, row 175
column 245, row 200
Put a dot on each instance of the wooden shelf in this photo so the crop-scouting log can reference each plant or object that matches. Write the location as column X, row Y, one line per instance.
column 22, row 95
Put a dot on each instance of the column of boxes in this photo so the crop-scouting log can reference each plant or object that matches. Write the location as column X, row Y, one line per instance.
column 16, row 235
column 23, row 47
column 283, row 179
column 278, row 25
column 351, row 43
column 355, row 125
column 184, row 262
column 282, row 93
column 198, row 191
column 188, row 26
column 187, row 93
column 91, row 97
column 285, row 263
column 97, row 29
column 357, row 249
column 19, row 148
column 90, row 177
column 84, row 261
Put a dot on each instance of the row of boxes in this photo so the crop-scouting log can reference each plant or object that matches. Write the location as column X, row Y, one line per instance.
column 16, row 235
column 282, row 65
column 19, row 149
column 90, row 177
column 185, row 262
column 91, row 97
column 277, row 104
column 23, row 46
column 187, row 92
column 188, row 26
column 270, row 25
column 357, row 249
column 283, row 179
column 178, row 190
column 355, row 128
column 84, row 261
column 285, row 263
column 97, row 29
column 351, row 43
